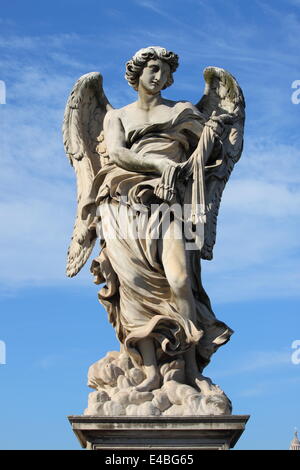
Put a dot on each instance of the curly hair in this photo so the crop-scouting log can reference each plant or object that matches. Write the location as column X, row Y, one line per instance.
column 134, row 67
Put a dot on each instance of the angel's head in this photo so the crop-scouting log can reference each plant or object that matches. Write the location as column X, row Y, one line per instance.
column 135, row 66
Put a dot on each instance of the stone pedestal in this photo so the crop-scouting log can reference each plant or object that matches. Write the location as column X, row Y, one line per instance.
column 158, row 433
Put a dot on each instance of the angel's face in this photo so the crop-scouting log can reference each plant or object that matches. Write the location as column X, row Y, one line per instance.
column 154, row 76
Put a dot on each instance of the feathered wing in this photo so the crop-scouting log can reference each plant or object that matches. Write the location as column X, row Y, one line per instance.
column 83, row 135
column 222, row 96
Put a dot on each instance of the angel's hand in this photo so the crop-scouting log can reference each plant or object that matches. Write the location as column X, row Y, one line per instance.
column 164, row 164
column 219, row 124
column 166, row 187
column 227, row 118
column 218, row 128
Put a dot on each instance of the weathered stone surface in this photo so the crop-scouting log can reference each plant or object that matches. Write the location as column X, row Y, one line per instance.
column 156, row 432
column 161, row 400
column 172, row 398
column 113, row 408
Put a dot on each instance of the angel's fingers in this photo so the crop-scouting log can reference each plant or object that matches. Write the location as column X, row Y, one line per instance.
column 219, row 117
column 224, row 119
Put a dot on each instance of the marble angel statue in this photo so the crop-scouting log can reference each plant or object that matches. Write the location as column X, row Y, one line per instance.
column 146, row 172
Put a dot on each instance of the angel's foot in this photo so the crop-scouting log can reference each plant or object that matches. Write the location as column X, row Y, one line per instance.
column 151, row 382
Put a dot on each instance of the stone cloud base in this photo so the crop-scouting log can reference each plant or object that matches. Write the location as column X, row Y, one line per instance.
column 158, row 433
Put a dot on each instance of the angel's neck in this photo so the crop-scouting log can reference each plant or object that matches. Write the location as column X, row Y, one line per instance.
column 147, row 101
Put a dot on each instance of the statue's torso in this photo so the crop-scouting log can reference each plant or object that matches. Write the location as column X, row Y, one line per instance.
column 133, row 117
column 162, row 130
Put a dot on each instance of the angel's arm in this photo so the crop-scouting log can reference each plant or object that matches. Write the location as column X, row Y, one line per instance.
column 124, row 157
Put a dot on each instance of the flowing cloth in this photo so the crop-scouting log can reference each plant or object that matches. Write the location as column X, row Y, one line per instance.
column 136, row 294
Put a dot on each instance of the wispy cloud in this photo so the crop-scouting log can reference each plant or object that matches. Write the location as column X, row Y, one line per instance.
column 150, row 5
column 20, row 42
column 270, row 387
column 251, row 392
column 257, row 361
column 49, row 361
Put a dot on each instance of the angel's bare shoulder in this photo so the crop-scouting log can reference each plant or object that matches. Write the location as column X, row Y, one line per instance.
column 112, row 114
column 180, row 104
column 112, row 122
column 188, row 105
column 119, row 114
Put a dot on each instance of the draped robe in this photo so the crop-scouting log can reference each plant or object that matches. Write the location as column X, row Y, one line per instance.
column 136, row 293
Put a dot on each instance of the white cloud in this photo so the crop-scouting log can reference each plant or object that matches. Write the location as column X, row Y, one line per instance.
column 270, row 387
column 257, row 361
column 252, row 392
column 13, row 41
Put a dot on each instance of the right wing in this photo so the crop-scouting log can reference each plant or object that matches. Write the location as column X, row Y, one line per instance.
column 222, row 96
column 83, row 134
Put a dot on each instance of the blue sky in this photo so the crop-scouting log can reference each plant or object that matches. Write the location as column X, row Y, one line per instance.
column 53, row 327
